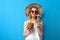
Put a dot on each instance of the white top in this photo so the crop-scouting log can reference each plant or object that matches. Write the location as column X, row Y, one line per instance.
column 34, row 34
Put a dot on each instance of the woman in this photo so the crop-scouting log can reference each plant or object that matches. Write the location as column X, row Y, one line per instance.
column 33, row 28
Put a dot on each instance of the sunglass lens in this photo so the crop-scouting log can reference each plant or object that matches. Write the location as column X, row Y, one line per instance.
column 36, row 12
column 32, row 11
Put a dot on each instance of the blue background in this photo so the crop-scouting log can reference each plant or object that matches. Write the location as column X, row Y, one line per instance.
column 12, row 18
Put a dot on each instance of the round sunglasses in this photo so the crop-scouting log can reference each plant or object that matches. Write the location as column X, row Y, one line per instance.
column 35, row 12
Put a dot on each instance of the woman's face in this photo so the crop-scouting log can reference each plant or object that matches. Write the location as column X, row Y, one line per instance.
column 34, row 12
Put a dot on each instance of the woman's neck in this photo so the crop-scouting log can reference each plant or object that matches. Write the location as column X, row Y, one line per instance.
column 33, row 18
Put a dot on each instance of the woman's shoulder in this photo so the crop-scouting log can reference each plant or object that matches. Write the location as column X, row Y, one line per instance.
column 26, row 21
column 40, row 22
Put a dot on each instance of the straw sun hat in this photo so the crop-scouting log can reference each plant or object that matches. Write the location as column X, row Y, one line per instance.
column 27, row 9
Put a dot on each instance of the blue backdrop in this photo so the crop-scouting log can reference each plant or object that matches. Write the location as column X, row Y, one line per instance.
column 12, row 18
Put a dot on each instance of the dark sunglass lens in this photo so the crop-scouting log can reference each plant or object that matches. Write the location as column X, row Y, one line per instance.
column 36, row 12
column 32, row 11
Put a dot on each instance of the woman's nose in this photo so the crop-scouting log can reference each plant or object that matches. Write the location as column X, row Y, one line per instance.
column 34, row 12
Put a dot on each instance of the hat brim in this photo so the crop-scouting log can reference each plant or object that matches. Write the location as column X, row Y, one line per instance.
column 31, row 5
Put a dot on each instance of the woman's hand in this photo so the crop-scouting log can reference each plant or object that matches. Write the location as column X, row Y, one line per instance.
column 40, row 28
column 30, row 26
column 26, row 32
